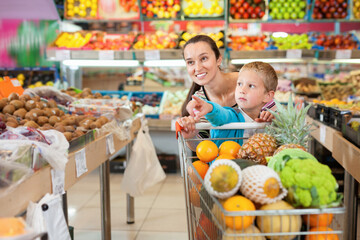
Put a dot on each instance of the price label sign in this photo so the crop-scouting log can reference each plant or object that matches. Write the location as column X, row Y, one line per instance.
column 322, row 133
column 58, row 181
column 106, row 55
column 110, row 149
column 294, row 53
column 152, row 55
column 343, row 54
column 80, row 161
column 62, row 55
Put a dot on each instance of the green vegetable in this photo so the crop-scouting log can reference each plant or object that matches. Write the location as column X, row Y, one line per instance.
column 277, row 162
column 309, row 184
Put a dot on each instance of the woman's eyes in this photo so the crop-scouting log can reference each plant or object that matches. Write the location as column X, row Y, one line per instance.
column 204, row 58
column 190, row 62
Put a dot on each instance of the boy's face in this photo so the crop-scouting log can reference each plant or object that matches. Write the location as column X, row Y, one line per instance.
column 250, row 92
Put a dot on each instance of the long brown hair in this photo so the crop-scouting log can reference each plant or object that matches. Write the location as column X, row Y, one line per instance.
column 195, row 87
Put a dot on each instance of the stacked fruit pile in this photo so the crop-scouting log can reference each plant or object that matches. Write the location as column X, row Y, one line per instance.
column 217, row 37
column 259, row 175
column 247, row 9
column 72, row 40
column 81, row 8
column 291, row 41
column 247, row 43
column 160, row 9
column 129, row 6
column 201, row 8
column 345, row 41
column 356, row 9
column 285, row 9
column 157, row 40
column 330, row 9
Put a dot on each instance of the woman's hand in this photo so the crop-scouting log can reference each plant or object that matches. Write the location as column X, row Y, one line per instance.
column 265, row 116
column 198, row 108
column 188, row 124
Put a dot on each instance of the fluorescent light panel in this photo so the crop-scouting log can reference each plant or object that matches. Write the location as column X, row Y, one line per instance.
column 164, row 63
column 102, row 63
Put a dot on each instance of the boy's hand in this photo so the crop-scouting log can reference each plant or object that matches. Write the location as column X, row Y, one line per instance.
column 265, row 116
column 198, row 108
column 188, row 124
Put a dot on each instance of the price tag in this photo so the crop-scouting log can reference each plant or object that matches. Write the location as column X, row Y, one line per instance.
column 343, row 54
column 152, row 55
column 106, row 55
column 294, row 53
column 58, row 181
column 15, row 83
column 80, row 160
column 110, row 149
column 322, row 133
column 62, row 55
column 335, row 122
column 321, row 117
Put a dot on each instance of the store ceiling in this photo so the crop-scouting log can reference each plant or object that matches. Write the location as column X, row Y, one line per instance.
column 28, row 10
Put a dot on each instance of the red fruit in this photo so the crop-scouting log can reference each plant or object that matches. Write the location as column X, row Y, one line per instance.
column 343, row 15
column 143, row 11
column 232, row 11
column 149, row 14
column 344, row 5
column 246, row 5
column 250, row 10
column 241, row 10
column 205, row 228
column 143, row 4
column 261, row 14
column 237, row 15
column 328, row 15
column 237, row 5
column 257, row 10
column 232, row 2
column 340, row 1
column 253, row 15
column 332, row 9
column 257, row 1
column 246, row 15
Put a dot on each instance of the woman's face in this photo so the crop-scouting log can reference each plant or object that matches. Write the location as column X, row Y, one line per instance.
column 201, row 62
column 250, row 93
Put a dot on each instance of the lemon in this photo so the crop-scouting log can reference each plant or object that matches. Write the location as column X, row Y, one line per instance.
column 176, row 7
column 219, row 10
column 70, row 6
column 20, row 77
column 191, row 4
column 82, row 6
column 166, row 14
column 199, row 4
column 76, row 10
column 203, row 11
column 82, row 13
column 224, row 178
column 50, row 83
column 70, row 1
column 195, row 11
column 38, row 84
column 187, row 11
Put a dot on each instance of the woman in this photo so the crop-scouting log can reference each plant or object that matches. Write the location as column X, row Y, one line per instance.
column 203, row 59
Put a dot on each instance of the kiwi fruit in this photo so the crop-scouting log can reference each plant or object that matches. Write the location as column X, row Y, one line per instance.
column 13, row 96
column 69, row 129
column 68, row 135
column 48, row 125
column 24, row 98
column 31, row 124
column 20, row 112
column 17, row 104
column 10, row 109
column 3, row 103
column 42, row 120
column 53, row 120
column 60, row 128
column 52, row 104
column 2, row 117
column 30, row 105
column 31, row 116
column 12, row 124
column 77, row 133
column 22, row 122
column 38, row 112
column 36, row 99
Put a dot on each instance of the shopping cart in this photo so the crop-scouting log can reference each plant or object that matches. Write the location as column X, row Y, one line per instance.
column 206, row 218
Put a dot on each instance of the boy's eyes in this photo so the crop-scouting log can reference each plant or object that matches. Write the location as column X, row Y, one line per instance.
column 250, row 85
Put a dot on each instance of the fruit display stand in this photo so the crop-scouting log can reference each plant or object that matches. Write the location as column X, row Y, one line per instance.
column 16, row 201
column 347, row 155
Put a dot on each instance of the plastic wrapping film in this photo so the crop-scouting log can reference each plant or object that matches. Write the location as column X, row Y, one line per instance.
column 50, row 93
column 118, row 129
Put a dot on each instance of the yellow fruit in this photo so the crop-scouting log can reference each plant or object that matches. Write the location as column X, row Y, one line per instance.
column 203, row 11
column 211, row 11
column 219, row 10
column 82, row 13
column 223, row 178
column 238, row 203
column 176, row 7
column 76, row 10
column 207, row 151
column 229, row 234
column 187, row 11
column 70, row 6
column 199, row 4
column 195, row 11
column 93, row 13
column 50, row 83
column 229, row 147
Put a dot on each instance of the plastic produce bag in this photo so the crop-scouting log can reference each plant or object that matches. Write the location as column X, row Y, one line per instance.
column 48, row 216
column 143, row 169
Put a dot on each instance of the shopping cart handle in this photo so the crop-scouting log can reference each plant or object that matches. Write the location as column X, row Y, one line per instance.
column 234, row 125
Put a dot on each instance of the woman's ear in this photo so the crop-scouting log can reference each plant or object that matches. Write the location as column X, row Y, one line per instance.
column 219, row 60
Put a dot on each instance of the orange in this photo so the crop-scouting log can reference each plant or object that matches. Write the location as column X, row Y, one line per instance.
column 201, row 168
column 238, row 203
column 195, row 195
column 225, row 156
column 229, row 147
column 207, row 151
column 318, row 220
column 323, row 236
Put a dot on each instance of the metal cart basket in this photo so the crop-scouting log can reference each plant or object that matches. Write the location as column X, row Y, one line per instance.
column 207, row 219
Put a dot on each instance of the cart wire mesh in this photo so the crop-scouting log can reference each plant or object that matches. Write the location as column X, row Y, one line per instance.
column 207, row 219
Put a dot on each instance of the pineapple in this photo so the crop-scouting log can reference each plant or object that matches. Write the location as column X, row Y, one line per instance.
column 258, row 147
column 289, row 127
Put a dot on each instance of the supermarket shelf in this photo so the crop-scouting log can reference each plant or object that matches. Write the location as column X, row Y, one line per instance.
column 40, row 182
column 159, row 124
column 322, row 133
column 263, row 54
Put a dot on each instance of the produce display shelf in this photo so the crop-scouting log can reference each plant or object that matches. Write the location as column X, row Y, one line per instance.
column 322, row 133
column 176, row 54
column 16, row 201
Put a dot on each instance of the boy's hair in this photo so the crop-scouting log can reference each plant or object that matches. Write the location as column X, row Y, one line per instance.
column 267, row 72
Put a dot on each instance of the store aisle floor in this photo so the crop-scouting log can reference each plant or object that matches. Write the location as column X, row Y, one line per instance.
column 159, row 214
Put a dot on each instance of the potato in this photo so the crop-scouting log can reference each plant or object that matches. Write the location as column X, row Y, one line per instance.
column 12, row 124
column 103, row 120
column 30, row 105
column 17, row 104
column 10, row 109
column 68, row 135
column 31, row 124
column 79, row 118
column 3, row 103
column 86, row 123
column 12, row 119
column 88, row 90
column 13, row 96
column 20, row 113
column 42, row 120
column 96, row 124
column 53, row 120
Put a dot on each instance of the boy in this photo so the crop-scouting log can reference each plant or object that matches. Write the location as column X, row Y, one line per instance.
column 255, row 87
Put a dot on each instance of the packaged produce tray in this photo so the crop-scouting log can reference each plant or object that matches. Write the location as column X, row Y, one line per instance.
column 151, row 102
column 349, row 133
column 322, row 113
column 337, row 117
column 114, row 94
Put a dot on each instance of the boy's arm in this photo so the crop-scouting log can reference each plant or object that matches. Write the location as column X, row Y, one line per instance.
column 222, row 115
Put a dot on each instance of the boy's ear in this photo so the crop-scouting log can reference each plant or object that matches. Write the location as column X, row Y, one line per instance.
column 269, row 96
